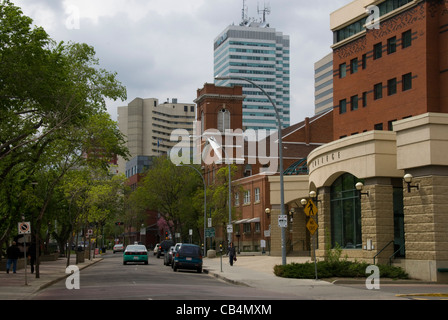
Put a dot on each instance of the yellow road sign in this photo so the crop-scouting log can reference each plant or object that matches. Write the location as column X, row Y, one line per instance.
column 310, row 208
column 312, row 225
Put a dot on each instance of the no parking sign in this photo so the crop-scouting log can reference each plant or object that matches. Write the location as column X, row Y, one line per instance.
column 24, row 228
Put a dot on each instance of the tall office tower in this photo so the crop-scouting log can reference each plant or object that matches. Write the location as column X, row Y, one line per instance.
column 254, row 51
column 148, row 124
column 323, row 84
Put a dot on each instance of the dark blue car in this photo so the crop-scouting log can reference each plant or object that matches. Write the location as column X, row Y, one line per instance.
column 189, row 256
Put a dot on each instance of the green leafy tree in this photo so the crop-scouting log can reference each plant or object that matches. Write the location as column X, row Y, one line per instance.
column 52, row 114
column 169, row 189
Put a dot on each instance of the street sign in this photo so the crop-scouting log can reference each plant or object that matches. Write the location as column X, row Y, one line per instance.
column 283, row 221
column 229, row 228
column 24, row 228
column 210, row 232
column 310, row 208
column 312, row 225
column 209, row 222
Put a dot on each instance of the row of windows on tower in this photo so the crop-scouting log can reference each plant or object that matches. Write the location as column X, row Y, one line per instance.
column 392, row 44
column 380, row 126
column 391, row 87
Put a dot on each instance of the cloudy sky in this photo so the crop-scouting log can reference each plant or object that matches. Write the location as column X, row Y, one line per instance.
column 164, row 48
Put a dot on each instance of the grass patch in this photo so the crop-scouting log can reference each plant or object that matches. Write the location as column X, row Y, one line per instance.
column 336, row 269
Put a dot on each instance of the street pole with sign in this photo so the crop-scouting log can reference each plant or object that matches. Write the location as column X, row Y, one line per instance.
column 312, row 226
column 24, row 228
column 280, row 154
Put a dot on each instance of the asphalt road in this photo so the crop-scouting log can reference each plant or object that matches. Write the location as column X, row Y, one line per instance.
column 111, row 280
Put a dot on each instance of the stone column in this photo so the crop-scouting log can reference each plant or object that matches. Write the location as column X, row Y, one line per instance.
column 323, row 219
column 377, row 218
column 426, row 227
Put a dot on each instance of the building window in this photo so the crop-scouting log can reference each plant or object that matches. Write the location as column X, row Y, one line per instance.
column 406, row 39
column 354, row 65
column 237, row 199
column 191, row 108
column 378, row 91
column 342, row 70
column 354, row 103
column 392, row 86
column 342, row 106
column 345, row 213
column 390, row 125
column 378, row 126
column 186, row 108
column 364, row 99
column 377, row 51
column 248, row 170
column 364, row 61
column 223, row 120
column 247, row 197
column 246, row 227
column 391, row 45
column 257, row 227
column 257, row 195
column 407, row 81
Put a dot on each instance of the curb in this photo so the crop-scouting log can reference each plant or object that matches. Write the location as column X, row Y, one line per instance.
column 62, row 277
column 221, row 277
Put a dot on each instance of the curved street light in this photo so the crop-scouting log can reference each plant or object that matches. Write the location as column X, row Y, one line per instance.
column 279, row 128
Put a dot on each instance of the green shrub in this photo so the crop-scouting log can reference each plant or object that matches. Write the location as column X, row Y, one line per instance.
column 341, row 268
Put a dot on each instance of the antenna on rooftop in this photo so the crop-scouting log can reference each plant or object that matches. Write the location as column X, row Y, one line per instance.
column 264, row 11
column 244, row 18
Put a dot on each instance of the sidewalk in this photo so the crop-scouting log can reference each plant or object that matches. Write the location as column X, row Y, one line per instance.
column 257, row 272
column 12, row 285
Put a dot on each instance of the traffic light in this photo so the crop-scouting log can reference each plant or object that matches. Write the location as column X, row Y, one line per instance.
column 166, row 235
column 119, row 223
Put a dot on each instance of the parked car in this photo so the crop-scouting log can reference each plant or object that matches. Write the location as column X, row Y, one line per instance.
column 135, row 253
column 156, row 248
column 176, row 248
column 163, row 247
column 168, row 258
column 118, row 247
column 189, row 256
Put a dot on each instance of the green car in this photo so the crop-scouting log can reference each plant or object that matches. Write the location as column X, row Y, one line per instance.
column 135, row 253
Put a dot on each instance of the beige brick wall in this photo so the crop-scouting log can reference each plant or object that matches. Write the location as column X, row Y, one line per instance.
column 426, row 219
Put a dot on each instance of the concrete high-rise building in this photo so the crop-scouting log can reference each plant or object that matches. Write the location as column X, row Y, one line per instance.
column 148, row 124
column 255, row 51
column 323, row 84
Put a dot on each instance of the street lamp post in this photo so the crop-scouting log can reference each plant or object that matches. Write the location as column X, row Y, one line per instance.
column 205, row 202
column 215, row 147
column 279, row 128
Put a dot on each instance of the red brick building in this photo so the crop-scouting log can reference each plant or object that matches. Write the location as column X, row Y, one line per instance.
column 391, row 73
column 251, row 187
column 381, row 184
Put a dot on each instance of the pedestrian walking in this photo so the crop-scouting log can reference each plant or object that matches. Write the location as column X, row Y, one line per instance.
column 31, row 254
column 232, row 254
column 12, row 254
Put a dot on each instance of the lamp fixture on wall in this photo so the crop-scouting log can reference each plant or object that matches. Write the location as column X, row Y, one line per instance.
column 267, row 211
column 359, row 186
column 408, row 179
